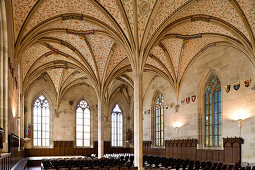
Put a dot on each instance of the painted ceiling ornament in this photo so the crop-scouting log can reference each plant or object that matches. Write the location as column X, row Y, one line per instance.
column 187, row 100
column 247, row 82
column 227, row 88
column 72, row 16
column 236, row 86
column 193, row 98
column 144, row 8
column 200, row 18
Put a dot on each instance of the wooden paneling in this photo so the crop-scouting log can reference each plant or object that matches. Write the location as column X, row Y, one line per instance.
column 67, row 148
column 13, row 148
column 187, row 149
column 5, row 161
column 232, row 149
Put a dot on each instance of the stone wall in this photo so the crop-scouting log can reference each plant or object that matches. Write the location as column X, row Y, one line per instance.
column 231, row 66
column 63, row 127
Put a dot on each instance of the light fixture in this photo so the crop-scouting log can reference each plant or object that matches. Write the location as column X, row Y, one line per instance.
column 176, row 126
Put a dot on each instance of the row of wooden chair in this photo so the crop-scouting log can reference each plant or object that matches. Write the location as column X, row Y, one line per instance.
column 113, row 163
column 155, row 162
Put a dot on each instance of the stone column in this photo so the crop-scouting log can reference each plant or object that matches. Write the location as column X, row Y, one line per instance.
column 100, row 129
column 138, row 120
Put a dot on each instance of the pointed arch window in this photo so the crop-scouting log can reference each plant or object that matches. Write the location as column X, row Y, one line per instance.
column 117, row 126
column 41, row 122
column 158, row 120
column 213, row 115
column 83, row 124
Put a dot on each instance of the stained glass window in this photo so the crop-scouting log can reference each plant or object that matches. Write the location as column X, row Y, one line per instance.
column 159, row 120
column 213, row 125
column 117, row 125
column 41, row 122
column 83, row 124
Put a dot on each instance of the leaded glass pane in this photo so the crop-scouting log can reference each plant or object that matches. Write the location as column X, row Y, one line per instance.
column 213, row 109
column 117, row 126
column 216, row 140
column 215, row 130
column 159, row 120
column 41, row 114
column 83, row 124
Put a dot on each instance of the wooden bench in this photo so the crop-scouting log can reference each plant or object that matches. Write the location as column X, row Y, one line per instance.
column 21, row 165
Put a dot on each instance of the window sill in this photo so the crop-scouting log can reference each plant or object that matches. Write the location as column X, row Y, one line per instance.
column 158, row 147
column 81, row 147
column 117, row 146
column 39, row 147
column 211, row 148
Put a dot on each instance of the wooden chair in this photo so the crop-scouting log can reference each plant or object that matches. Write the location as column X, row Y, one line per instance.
column 134, row 168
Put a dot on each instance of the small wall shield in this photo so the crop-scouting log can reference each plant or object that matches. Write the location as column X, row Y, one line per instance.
column 227, row 88
column 193, row 98
column 187, row 99
column 237, row 85
column 247, row 82
column 182, row 101
column 148, row 111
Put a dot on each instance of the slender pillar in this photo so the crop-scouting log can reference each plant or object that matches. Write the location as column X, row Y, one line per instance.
column 138, row 120
column 100, row 129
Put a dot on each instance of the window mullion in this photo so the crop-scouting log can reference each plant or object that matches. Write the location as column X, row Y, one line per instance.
column 41, row 121
column 206, row 134
column 213, row 114
column 83, row 136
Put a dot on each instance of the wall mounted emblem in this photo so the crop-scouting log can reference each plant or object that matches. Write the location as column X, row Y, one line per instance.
column 57, row 113
column 71, row 102
column 182, row 101
column 253, row 88
column 247, row 82
column 146, row 112
column 193, row 98
column 188, row 100
column 172, row 105
column 227, row 88
column 177, row 107
column 236, row 86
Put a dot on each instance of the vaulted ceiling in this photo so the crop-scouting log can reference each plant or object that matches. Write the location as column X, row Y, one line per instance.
column 94, row 42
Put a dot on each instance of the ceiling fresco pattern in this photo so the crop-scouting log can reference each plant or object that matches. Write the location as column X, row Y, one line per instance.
column 95, row 41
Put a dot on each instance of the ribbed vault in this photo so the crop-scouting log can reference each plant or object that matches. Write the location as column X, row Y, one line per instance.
column 94, row 42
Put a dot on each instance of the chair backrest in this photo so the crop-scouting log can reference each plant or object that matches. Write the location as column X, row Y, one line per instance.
column 124, row 168
column 134, row 168
column 114, row 168
column 244, row 164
